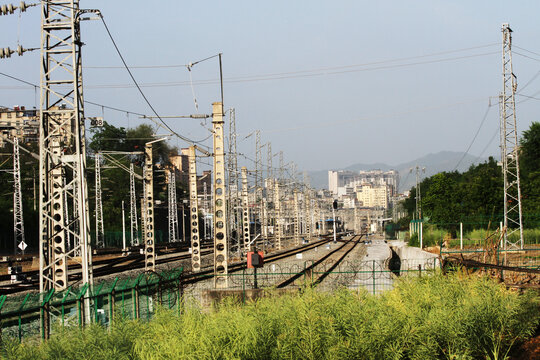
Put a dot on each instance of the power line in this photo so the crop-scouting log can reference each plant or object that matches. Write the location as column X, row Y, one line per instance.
column 139, row 88
column 85, row 101
column 475, row 135
column 283, row 76
column 311, row 70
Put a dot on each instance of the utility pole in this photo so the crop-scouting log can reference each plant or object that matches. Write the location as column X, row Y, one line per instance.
column 220, row 217
column 123, row 227
column 245, row 211
column 133, row 207
column 307, row 206
column 148, row 215
column 510, row 147
column 62, row 146
column 18, row 222
column 418, row 197
column 100, row 230
column 258, row 181
column 194, row 212
column 269, row 187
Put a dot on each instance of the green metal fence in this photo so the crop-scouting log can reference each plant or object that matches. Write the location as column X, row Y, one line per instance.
column 41, row 314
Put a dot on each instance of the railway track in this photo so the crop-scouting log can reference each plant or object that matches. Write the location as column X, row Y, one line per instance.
column 344, row 249
column 236, row 267
column 135, row 261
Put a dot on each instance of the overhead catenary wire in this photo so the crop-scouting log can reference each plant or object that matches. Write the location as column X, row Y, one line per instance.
column 85, row 101
column 488, row 144
column 139, row 88
column 282, row 76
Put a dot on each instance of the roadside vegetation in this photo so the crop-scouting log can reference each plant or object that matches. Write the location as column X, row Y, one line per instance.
column 433, row 317
column 475, row 198
column 434, row 236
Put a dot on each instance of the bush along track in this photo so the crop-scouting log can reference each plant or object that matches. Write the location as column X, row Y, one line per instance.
column 433, row 317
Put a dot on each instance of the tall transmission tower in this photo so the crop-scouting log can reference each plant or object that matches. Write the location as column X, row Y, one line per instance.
column 18, row 223
column 100, row 229
column 509, row 146
column 133, row 207
column 62, row 145
column 173, row 208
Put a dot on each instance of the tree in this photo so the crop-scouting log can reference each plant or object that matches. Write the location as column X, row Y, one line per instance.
column 529, row 164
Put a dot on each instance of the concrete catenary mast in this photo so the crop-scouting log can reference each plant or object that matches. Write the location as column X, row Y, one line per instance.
column 220, row 208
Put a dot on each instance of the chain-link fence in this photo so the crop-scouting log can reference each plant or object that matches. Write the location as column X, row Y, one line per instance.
column 41, row 314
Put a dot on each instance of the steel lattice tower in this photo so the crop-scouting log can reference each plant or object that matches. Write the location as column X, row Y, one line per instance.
column 510, row 146
column 133, row 207
column 100, row 229
column 62, row 145
column 232, row 167
column 173, row 208
column 18, row 223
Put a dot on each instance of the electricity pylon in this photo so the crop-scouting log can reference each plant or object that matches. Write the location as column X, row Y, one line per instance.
column 62, row 146
column 510, row 147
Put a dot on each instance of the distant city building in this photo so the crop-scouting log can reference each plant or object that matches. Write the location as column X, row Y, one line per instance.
column 375, row 196
column 24, row 124
column 345, row 182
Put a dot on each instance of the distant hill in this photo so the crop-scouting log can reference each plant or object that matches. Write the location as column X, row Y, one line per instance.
column 434, row 163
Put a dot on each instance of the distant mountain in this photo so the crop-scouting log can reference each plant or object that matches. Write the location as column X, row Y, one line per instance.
column 433, row 163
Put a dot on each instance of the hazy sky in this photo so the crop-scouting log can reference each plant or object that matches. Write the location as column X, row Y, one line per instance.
column 331, row 83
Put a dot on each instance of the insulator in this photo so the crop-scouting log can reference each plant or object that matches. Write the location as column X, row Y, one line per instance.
column 20, row 50
column 23, row 6
column 7, row 9
column 5, row 52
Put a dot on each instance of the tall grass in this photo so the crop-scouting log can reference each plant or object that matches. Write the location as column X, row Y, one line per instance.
column 432, row 317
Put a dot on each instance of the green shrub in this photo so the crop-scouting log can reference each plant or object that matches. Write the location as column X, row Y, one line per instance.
column 433, row 317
